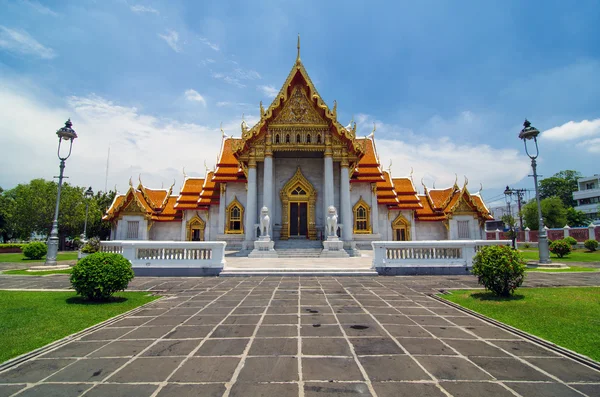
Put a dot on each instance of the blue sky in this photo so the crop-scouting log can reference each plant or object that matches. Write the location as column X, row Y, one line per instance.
column 448, row 84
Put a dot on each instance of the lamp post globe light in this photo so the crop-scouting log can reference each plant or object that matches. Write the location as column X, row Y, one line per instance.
column 89, row 193
column 66, row 134
column 527, row 134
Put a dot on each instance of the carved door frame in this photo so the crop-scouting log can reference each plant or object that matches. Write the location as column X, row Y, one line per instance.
column 309, row 196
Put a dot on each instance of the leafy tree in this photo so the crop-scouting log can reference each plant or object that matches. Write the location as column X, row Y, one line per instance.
column 511, row 222
column 96, row 226
column 553, row 212
column 576, row 218
column 6, row 210
column 562, row 184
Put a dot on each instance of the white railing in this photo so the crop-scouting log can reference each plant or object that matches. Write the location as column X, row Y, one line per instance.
column 169, row 254
column 415, row 254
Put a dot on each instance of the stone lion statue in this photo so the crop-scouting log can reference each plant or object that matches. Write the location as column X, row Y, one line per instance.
column 265, row 221
column 332, row 221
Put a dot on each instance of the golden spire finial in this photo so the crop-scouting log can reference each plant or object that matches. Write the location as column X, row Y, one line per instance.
column 424, row 187
column 298, row 56
column 390, row 168
column 411, row 174
column 455, row 180
column 184, row 174
column 130, row 182
column 205, row 168
column 374, row 129
column 466, row 181
column 480, row 188
column 140, row 180
column 262, row 110
column 222, row 132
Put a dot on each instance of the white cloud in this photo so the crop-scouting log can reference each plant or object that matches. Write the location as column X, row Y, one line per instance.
column 156, row 147
column 207, row 61
column 591, row 145
column 228, row 79
column 205, row 41
column 172, row 39
column 21, row 42
column 439, row 160
column 573, row 130
column 193, row 95
column 223, row 104
column 42, row 9
column 236, row 76
column 246, row 74
column 268, row 90
column 139, row 9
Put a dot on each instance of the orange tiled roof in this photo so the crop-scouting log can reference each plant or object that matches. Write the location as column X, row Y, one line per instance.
column 440, row 197
column 155, row 204
column 228, row 168
column 168, row 213
column 407, row 194
column 117, row 201
column 189, row 194
column 153, row 197
column 426, row 212
column 385, row 191
column 368, row 168
column 210, row 191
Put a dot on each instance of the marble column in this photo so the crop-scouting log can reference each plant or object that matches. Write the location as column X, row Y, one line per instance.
column 222, row 206
column 328, row 196
column 251, row 202
column 268, row 187
column 346, row 210
column 374, row 210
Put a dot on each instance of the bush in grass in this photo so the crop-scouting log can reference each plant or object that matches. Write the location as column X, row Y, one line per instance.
column 570, row 240
column 526, row 245
column 92, row 246
column 98, row 276
column 560, row 248
column 35, row 250
column 591, row 245
column 499, row 268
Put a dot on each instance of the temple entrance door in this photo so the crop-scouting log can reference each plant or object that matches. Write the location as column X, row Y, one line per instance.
column 298, row 219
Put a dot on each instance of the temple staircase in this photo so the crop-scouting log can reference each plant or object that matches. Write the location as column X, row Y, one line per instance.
column 298, row 248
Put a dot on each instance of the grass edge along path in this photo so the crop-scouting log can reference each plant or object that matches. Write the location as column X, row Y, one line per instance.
column 29, row 320
column 566, row 316
column 24, row 272
column 20, row 258
column 577, row 255
column 570, row 269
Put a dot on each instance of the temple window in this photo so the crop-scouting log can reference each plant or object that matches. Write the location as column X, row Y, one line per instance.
column 298, row 138
column 319, row 138
column 277, row 138
column 362, row 213
column 401, row 229
column 132, row 230
column 235, row 216
column 308, row 138
column 287, row 138
column 463, row 229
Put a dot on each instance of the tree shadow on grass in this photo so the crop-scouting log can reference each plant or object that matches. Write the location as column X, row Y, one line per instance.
column 490, row 296
column 79, row 300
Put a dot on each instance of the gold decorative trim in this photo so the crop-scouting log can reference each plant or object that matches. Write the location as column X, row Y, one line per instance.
column 401, row 223
column 196, row 223
column 310, row 197
column 234, row 204
column 361, row 203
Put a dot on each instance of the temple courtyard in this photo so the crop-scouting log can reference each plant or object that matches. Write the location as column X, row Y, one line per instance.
column 299, row 336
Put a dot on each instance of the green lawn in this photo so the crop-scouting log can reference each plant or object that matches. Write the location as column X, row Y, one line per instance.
column 20, row 258
column 578, row 255
column 29, row 320
column 569, row 270
column 21, row 272
column 569, row 317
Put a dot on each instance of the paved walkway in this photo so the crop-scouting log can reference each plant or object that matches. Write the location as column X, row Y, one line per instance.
column 300, row 336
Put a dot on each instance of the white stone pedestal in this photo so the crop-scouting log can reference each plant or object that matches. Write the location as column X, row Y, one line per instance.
column 333, row 247
column 263, row 248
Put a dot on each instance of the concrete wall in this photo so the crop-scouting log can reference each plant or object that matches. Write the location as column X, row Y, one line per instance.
column 166, row 231
column 430, row 231
column 121, row 233
column 475, row 231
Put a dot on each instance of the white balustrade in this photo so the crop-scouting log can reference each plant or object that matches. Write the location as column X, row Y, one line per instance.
column 428, row 254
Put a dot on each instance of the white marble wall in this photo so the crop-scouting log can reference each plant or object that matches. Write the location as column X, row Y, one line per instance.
column 475, row 231
column 121, row 233
column 430, row 231
column 166, row 231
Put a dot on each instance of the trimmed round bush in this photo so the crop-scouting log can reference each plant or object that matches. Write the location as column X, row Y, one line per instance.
column 591, row 245
column 570, row 240
column 499, row 268
column 98, row 276
column 560, row 248
column 35, row 250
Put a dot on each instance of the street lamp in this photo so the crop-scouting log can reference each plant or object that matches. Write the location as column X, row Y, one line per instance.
column 66, row 133
column 88, row 195
column 508, row 197
column 528, row 133
column 510, row 220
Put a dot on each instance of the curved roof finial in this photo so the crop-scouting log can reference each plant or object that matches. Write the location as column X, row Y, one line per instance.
column 130, row 182
column 223, row 132
column 480, row 187
column 184, row 174
column 455, row 179
column 205, row 168
column 390, row 168
column 411, row 174
column 298, row 56
column 424, row 187
column 433, row 185
column 262, row 110
column 374, row 129
column 466, row 180
column 140, row 179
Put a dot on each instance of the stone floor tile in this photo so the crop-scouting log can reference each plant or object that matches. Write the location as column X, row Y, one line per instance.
column 394, row 319
column 475, row 348
column 243, row 319
column 233, row 331
column 354, row 318
column 147, row 369
column 293, row 309
column 206, row 369
column 348, row 310
column 314, row 389
column 371, row 329
column 152, row 312
column 330, row 369
column 407, row 331
column 116, row 390
column 280, row 319
column 449, row 332
column 414, row 311
column 375, row 346
column 206, row 319
column 88, row 370
column 388, row 368
column 383, row 310
column 509, row 369
column 223, row 347
column 267, row 331
column 566, row 370
column 430, row 320
column 248, row 310
column 34, row 371
column 8, row 390
column 167, row 320
column 425, row 346
column 318, row 319
column 452, row 368
column 316, row 309
column 122, row 348
column 396, row 389
column 466, row 321
column 147, row 332
column 476, row 389
column 325, row 347
column 543, row 389
column 320, row 330
column 131, row 321
column 263, row 390
column 524, row 348
column 75, row 349
column 55, row 390
column 490, row 332
column 269, row 369
column 189, row 332
column 274, row 347
column 592, row 390
column 171, row 348
column 107, row 333
column 175, row 390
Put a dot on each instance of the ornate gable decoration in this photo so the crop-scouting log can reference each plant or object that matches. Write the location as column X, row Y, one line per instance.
column 298, row 110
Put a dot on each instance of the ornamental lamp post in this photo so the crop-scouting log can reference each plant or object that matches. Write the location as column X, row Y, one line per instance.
column 527, row 134
column 89, row 193
column 66, row 133
column 511, row 229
